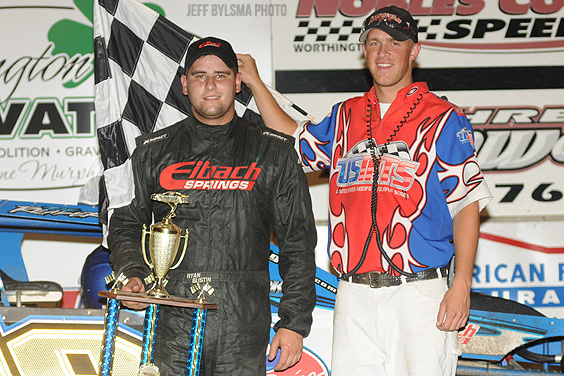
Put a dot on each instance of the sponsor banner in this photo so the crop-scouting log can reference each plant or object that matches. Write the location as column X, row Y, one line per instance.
column 47, row 129
column 324, row 34
column 522, row 261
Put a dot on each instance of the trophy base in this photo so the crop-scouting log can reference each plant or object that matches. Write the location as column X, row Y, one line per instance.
column 148, row 369
column 172, row 300
column 156, row 293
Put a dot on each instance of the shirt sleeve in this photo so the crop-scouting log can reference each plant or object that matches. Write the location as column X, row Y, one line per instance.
column 459, row 172
column 294, row 227
column 316, row 141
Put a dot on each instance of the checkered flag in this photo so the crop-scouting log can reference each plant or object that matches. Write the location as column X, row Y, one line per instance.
column 132, row 95
column 139, row 58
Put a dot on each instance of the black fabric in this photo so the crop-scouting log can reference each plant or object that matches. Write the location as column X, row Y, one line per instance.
column 229, row 243
column 103, row 202
column 245, row 95
column 169, row 39
column 176, row 98
column 142, row 108
column 113, row 146
column 236, row 334
column 101, row 66
column 124, row 47
column 109, row 5
column 252, row 116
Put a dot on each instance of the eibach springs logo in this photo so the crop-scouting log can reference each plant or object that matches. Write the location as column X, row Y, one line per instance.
column 467, row 25
column 205, row 176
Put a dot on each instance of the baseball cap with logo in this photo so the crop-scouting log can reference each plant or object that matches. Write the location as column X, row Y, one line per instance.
column 397, row 22
column 211, row 46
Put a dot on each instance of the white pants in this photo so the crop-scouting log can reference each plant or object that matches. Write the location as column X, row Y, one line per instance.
column 390, row 331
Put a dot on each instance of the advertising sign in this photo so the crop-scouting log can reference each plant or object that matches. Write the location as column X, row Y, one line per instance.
column 47, row 131
column 522, row 261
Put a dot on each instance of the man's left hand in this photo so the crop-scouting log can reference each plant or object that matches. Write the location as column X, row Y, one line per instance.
column 290, row 344
column 454, row 308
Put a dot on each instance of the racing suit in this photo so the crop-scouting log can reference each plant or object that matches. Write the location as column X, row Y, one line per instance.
column 427, row 172
column 243, row 181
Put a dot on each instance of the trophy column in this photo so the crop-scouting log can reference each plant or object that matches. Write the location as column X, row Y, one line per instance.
column 149, row 334
column 150, row 330
column 108, row 343
column 196, row 342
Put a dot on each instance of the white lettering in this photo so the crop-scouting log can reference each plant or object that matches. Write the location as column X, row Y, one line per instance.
column 550, row 297
column 526, row 297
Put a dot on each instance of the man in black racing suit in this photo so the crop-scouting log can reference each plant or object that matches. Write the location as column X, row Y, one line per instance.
column 244, row 181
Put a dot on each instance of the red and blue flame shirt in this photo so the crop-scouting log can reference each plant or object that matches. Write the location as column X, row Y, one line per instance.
column 428, row 172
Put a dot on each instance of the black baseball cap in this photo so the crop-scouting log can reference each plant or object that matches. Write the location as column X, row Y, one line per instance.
column 211, row 46
column 397, row 22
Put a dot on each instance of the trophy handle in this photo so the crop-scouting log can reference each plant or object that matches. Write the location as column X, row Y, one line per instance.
column 145, row 232
column 185, row 237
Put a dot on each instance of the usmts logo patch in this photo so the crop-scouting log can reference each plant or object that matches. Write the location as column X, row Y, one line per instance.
column 465, row 135
column 396, row 167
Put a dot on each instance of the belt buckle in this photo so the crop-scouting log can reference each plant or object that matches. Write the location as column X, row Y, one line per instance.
column 374, row 282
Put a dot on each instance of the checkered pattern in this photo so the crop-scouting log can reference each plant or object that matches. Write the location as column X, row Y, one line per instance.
column 139, row 57
column 338, row 30
column 131, row 96
column 398, row 149
column 334, row 30
column 429, row 28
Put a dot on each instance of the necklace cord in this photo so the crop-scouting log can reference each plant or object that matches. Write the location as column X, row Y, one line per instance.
column 374, row 199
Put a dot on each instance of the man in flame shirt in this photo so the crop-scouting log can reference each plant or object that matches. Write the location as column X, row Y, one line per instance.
column 393, row 228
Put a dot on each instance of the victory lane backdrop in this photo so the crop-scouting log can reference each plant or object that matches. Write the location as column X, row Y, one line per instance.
column 500, row 61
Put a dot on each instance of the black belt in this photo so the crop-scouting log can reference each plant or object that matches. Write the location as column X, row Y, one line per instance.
column 377, row 279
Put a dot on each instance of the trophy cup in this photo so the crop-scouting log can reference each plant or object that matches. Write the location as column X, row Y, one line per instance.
column 164, row 241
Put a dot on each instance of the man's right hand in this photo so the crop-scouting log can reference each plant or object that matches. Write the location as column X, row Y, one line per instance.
column 134, row 285
column 272, row 115
column 249, row 71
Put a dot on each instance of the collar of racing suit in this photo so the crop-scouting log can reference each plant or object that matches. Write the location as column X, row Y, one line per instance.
column 211, row 135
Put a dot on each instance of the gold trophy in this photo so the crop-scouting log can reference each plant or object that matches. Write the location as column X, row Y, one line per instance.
column 164, row 241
